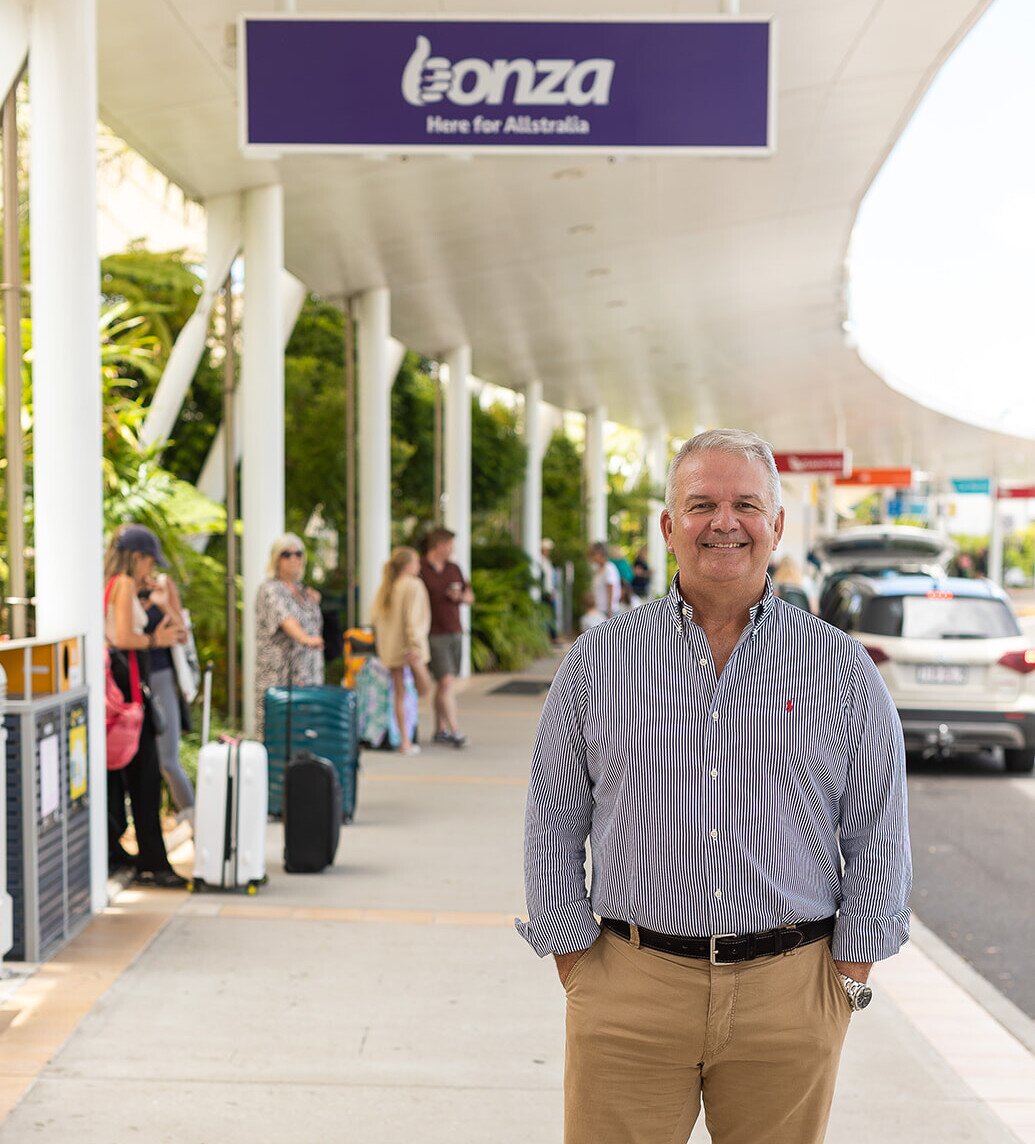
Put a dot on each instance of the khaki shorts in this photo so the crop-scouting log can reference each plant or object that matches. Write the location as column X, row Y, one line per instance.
column 446, row 651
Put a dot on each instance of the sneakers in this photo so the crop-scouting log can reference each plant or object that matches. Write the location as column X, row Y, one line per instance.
column 412, row 749
column 450, row 738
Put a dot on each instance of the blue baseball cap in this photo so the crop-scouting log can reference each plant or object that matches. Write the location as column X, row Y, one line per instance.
column 137, row 538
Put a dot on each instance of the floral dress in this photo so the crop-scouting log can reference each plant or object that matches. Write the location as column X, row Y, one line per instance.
column 278, row 658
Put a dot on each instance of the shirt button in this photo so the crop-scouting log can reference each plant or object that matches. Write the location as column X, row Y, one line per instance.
column 703, row 662
column 718, row 893
column 715, row 834
column 715, row 773
column 715, row 716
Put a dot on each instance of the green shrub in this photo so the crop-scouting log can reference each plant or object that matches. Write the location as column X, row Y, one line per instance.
column 508, row 628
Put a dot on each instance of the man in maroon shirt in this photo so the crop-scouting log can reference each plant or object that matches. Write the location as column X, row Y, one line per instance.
column 447, row 590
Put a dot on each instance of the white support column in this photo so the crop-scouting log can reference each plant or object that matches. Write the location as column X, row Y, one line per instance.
column 995, row 539
column 223, row 242
column 595, row 465
column 532, row 517
column 829, row 506
column 262, row 410
column 657, row 468
column 373, row 322
column 457, row 513
column 14, row 44
column 212, row 481
column 69, row 524
column 395, row 351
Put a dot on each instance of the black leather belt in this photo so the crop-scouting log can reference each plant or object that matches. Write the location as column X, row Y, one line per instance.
column 726, row 948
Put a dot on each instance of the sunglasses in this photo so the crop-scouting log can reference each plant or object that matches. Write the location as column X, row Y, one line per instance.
column 292, row 552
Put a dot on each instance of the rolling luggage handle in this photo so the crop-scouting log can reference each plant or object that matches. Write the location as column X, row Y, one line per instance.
column 206, row 704
column 308, row 732
column 230, row 858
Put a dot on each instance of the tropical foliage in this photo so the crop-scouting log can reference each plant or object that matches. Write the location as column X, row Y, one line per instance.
column 146, row 299
column 508, row 628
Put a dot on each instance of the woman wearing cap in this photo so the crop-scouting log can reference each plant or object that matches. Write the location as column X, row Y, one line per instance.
column 132, row 556
column 288, row 623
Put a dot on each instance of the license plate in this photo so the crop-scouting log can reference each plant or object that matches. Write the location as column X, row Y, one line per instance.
column 940, row 673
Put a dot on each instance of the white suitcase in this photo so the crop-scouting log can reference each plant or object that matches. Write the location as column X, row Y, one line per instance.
column 230, row 814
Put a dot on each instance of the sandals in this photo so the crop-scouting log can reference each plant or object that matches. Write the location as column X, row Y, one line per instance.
column 160, row 879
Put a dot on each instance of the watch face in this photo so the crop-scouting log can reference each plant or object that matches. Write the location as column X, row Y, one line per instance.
column 859, row 995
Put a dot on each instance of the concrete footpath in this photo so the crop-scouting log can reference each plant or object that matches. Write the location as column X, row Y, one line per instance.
column 388, row 1000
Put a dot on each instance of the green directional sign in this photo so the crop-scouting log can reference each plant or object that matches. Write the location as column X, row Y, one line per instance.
column 972, row 485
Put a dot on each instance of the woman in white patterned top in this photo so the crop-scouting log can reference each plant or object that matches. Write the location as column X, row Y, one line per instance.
column 288, row 625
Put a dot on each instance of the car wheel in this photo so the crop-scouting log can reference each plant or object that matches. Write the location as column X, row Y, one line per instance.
column 1019, row 762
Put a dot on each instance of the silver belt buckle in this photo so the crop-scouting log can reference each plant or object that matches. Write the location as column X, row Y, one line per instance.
column 712, row 952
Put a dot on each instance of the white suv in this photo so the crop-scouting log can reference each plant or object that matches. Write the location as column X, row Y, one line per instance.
column 872, row 549
column 953, row 657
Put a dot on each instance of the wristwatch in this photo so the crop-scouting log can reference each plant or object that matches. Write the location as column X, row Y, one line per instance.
column 859, row 994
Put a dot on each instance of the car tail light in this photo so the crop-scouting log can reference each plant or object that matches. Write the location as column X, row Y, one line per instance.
column 879, row 656
column 940, row 595
column 1022, row 661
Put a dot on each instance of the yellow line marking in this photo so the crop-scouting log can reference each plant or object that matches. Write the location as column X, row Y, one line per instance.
column 255, row 910
column 53, row 1001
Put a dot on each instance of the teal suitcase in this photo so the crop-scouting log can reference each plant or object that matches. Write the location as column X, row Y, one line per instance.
column 322, row 722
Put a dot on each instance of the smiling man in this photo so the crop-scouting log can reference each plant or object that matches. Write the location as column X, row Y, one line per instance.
column 737, row 766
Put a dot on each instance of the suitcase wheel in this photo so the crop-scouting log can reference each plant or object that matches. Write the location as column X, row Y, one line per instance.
column 252, row 888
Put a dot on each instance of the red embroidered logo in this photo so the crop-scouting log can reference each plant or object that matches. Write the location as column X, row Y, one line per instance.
column 790, row 705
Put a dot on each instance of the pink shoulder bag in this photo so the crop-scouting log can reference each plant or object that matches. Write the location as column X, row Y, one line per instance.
column 123, row 721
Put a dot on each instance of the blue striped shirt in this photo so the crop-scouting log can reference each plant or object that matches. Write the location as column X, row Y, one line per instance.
column 771, row 794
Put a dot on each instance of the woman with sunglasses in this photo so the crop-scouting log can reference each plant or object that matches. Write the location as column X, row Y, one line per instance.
column 288, row 623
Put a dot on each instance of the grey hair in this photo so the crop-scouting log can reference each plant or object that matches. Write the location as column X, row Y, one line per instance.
column 736, row 441
column 288, row 541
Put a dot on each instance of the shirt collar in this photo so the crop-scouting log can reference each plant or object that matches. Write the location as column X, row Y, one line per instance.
column 683, row 613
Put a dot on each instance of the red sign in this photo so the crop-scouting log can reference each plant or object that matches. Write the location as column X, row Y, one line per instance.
column 887, row 478
column 837, row 463
column 1020, row 491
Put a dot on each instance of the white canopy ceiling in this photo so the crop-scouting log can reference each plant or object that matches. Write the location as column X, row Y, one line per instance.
column 679, row 290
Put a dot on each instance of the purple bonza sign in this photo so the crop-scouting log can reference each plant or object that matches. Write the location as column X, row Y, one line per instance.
column 406, row 85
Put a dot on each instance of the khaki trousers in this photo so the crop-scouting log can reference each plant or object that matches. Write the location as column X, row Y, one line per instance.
column 649, row 1036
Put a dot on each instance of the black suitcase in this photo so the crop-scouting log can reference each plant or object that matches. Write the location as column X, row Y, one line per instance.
column 312, row 814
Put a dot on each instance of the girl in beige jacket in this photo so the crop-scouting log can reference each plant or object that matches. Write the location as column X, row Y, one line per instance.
column 402, row 620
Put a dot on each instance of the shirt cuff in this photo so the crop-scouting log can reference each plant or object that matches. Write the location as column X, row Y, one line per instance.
column 564, row 929
column 869, row 939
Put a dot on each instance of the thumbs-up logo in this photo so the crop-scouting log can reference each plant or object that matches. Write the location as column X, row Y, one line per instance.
column 426, row 78
column 544, row 83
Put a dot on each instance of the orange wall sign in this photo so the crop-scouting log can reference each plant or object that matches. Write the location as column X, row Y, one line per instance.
column 887, row 478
